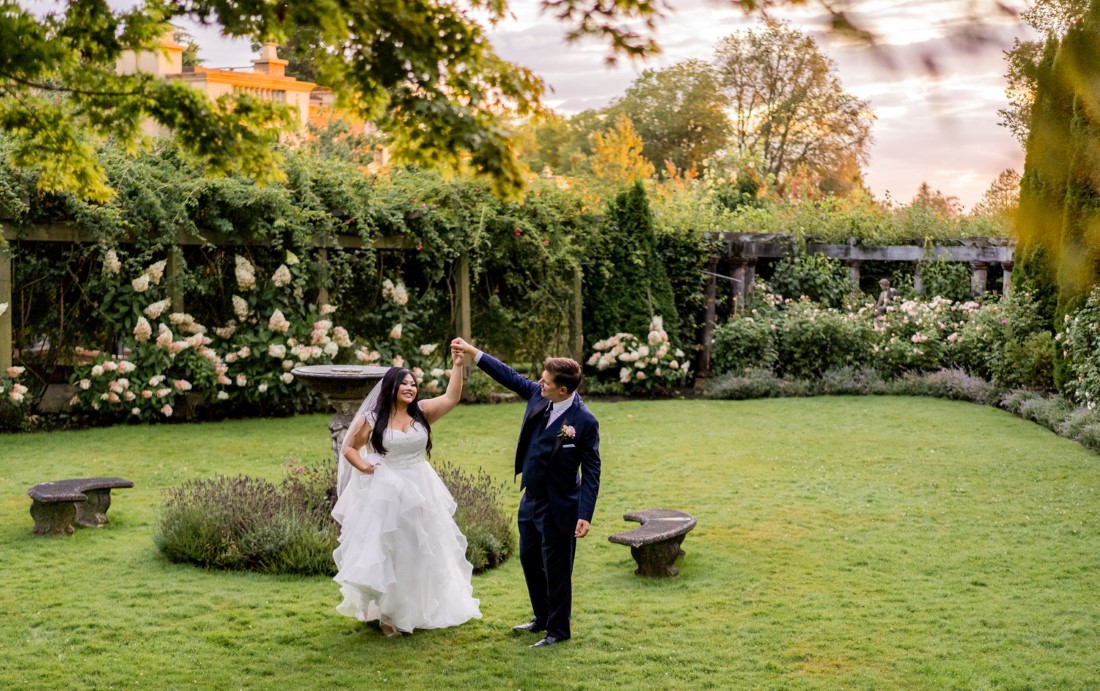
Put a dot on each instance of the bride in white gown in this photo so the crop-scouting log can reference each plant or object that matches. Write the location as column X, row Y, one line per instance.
column 401, row 559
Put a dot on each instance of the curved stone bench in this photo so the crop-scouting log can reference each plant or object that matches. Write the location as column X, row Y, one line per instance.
column 656, row 544
column 55, row 505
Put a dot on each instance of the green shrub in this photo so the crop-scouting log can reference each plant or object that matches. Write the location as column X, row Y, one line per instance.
column 947, row 279
column 745, row 341
column 1028, row 362
column 480, row 516
column 1006, row 342
column 811, row 340
column 1080, row 345
column 912, row 335
column 815, row 276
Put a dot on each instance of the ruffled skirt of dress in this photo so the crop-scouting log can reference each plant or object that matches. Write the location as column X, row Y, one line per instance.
column 402, row 558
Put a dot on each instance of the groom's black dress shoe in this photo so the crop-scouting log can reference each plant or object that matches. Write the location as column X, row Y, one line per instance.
column 549, row 640
column 530, row 627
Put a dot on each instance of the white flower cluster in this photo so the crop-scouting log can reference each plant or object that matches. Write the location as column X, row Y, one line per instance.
column 644, row 364
column 245, row 273
column 15, row 391
column 397, row 292
column 151, row 276
column 111, row 264
column 281, row 277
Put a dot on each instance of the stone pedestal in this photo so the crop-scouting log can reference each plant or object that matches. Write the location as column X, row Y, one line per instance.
column 345, row 387
column 55, row 518
column 656, row 560
column 92, row 513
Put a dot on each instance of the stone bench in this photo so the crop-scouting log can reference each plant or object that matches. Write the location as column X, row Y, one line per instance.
column 55, row 505
column 656, row 544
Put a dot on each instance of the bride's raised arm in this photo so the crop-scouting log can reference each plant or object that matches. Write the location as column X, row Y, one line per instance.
column 435, row 408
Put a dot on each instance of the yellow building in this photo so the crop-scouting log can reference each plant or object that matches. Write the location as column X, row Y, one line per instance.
column 267, row 81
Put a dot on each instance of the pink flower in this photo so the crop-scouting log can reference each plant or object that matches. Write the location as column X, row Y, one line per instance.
column 567, row 432
column 518, row 231
column 15, row 371
column 166, row 410
column 545, row 243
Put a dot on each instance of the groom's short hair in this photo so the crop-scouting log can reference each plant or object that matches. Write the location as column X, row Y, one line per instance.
column 565, row 371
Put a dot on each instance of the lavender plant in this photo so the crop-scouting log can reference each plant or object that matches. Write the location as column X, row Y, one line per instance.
column 480, row 516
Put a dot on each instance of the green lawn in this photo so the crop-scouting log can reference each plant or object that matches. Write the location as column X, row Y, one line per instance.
column 870, row 543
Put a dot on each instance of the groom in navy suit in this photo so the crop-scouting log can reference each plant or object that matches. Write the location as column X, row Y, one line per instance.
column 559, row 457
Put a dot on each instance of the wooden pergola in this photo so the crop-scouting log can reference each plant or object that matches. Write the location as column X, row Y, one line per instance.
column 742, row 251
column 72, row 234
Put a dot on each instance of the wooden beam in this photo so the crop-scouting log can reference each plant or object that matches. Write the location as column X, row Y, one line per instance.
column 69, row 232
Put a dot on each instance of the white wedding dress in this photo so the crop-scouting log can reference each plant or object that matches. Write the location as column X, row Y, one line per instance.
column 402, row 558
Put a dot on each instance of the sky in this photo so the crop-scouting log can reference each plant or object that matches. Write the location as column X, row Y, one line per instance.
column 940, row 128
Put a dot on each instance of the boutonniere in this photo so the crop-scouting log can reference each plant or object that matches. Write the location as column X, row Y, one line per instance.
column 567, row 432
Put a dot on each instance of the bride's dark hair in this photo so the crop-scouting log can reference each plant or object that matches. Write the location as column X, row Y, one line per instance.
column 387, row 399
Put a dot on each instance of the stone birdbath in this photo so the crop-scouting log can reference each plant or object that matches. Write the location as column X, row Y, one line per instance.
column 345, row 387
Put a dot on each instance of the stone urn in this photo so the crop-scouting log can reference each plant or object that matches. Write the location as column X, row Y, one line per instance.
column 345, row 387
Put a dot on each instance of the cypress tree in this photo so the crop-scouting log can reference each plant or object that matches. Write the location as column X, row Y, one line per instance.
column 627, row 284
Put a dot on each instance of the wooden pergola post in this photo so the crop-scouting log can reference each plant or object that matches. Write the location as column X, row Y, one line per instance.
column 174, row 273
column 322, row 262
column 6, row 317
column 708, row 323
column 576, row 331
column 465, row 327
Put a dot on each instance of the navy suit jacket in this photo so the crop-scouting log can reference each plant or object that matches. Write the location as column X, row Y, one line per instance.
column 563, row 472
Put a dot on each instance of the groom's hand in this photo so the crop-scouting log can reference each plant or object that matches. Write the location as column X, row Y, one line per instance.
column 582, row 528
column 461, row 345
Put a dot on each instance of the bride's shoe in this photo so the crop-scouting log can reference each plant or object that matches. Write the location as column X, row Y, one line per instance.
column 390, row 632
